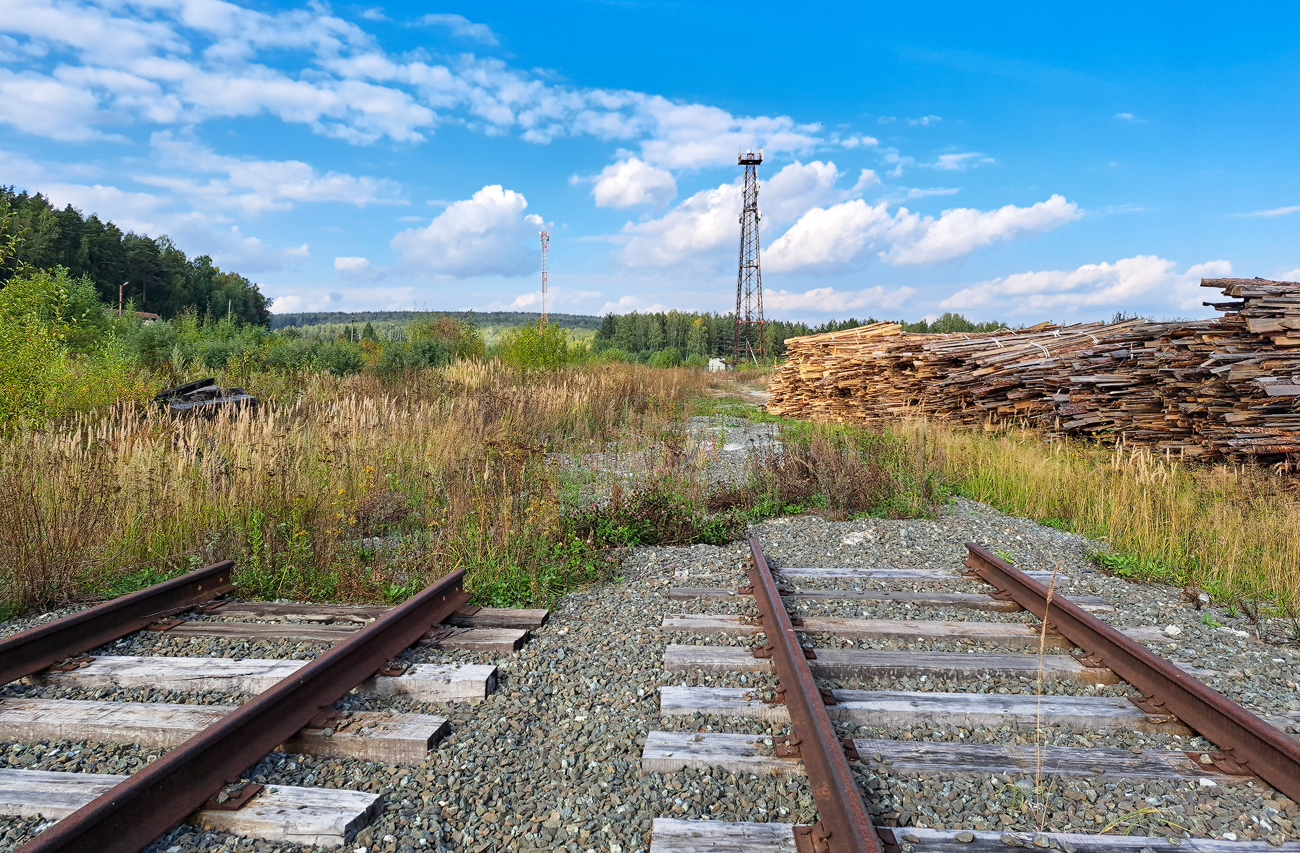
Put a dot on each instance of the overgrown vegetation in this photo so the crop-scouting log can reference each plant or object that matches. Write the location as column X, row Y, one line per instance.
column 1230, row 531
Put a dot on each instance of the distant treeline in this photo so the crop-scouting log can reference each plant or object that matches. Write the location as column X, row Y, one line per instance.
column 159, row 277
column 714, row 334
column 481, row 318
column 636, row 335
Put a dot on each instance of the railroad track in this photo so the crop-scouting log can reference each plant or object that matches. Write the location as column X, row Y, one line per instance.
column 801, row 652
column 201, row 777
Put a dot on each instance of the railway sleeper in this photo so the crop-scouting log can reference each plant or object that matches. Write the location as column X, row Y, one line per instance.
column 709, row 836
column 422, row 682
column 1010, row 634
column 282, row 813
column 963, row 600
column 669, row 752
column 370, row 736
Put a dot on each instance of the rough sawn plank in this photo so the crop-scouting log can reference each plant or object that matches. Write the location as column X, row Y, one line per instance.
column 307, row 816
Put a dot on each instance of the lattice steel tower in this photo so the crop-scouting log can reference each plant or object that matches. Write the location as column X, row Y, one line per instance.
column 749, row 278
column 546, row 243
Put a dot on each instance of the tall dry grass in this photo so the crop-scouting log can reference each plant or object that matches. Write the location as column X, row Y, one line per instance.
column 1229, row 530
column 454, row 466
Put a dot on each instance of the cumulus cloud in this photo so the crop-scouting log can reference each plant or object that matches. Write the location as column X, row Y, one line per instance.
column 838, row 237
column 695, row 230
column 827, row 300
column 689, row 231
column 44, row 106
column 859, row 141
column 255, row 185
column 1290, row 275
column 462, row 27
column 924, row 121
column 632, row 182
column 1141, row 279
column 486, row 234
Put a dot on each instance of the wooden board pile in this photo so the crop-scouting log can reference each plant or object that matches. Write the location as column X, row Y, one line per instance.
column 1224, row 388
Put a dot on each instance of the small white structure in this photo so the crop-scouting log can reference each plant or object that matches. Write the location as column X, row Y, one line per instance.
column 717, row 365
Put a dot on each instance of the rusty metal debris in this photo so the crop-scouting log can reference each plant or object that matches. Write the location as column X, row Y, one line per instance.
column 1246, row 741
column 203, row 397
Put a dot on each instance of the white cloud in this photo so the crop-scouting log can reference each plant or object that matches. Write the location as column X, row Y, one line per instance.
column 258, row 185
column 796, row 188
column 1276, row 211
column 1141, row 279
column 1125, row 116
column 958, row 232
column 462, row 27
column 836, row 238
column 44, row 106
column 689, row 231
column 482, row 235
column 629, row 303
column 960, row 162
column 924, row 121
column 918, row 192
column 231, row 249
column 632, row 182
column 827, row 300
column 1290, row 275
column 696, row 229
column 286, row 304
column 859, row 141
column 828, row 239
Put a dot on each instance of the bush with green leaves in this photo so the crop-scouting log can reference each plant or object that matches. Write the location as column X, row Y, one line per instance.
column 540, row 347
column 58, row 353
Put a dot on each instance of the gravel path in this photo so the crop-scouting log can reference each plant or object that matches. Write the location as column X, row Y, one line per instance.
column 552, row 760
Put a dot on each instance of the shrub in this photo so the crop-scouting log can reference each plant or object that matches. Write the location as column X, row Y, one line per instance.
column 541, row 347
column 697, row 361
column 671, row 357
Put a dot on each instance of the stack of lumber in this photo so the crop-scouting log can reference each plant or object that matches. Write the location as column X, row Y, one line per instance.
column 1224, row 388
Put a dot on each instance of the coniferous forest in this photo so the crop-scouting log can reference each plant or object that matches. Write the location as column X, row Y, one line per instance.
column 159, row 276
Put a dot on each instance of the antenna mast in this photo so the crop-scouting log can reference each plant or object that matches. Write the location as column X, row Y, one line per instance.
column 546, row 242
column 749, row 279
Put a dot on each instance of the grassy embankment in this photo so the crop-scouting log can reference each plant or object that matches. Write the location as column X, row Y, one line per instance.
column 361, row 488
column 1228, row 530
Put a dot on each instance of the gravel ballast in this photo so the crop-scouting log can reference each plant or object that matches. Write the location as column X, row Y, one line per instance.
column 552, row 759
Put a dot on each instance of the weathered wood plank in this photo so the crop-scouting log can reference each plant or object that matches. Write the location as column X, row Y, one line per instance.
column 685, row 593
column 471, row 639
column 306, row 816
column 501, row 640
column 965, row 600
column 945, row 841
column 714, row 836
column 359, row 614
column 423, row 682
column 718, row 702
column 668, row 752
column 503, row 617
column 710, row 836
column 906, row 574
column 890, row 708
column 888, row 663
column 960, row 759
column 998, row 633
column 264, row 631
column 486, row 617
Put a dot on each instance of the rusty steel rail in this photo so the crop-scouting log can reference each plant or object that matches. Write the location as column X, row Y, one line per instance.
column 33, row 650
column 844, row 826
column 1246, row 741
column 128, row 817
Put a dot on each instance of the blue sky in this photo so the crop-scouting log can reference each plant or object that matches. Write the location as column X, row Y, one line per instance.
column 1016, row 162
